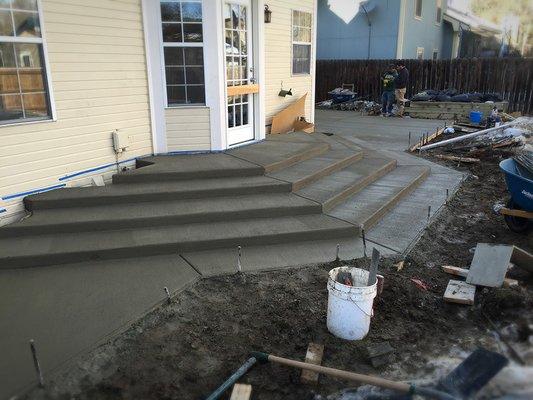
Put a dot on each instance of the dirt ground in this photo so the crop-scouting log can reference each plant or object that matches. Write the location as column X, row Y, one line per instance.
column 185, row 349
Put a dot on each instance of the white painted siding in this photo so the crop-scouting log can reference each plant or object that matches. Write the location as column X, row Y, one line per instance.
column 278, row 53
column 188, row 128
column 98, row 70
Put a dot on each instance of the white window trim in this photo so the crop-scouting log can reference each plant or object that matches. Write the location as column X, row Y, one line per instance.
column 48, row 75
column 310, row 43
column 163, row 44
column 432, row 54
column 417, row 50
column 419, row 17
column 437, row 22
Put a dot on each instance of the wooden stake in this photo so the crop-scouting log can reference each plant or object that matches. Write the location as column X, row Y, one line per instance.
column 241, row 391
column 169, row 299
column 364, row 242
column 314, row 355
column 36, row 363
column 239, row 254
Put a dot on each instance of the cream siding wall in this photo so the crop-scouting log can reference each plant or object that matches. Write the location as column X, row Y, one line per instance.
column 188, row 129
column 98, row 69
column 278, row 53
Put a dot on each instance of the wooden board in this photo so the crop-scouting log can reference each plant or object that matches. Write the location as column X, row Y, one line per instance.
column 450, row 109
column 283, row 122
column 241, row 391
column 522, row 259
column 242, row 89
column 313, row 356
column 516, row 213
column 425, row 141
column 489, row 265
column 459, row 292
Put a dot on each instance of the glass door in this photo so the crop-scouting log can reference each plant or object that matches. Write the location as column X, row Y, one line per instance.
column 240, row 81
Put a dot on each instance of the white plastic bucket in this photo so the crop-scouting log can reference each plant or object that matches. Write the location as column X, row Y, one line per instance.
column 350, row 307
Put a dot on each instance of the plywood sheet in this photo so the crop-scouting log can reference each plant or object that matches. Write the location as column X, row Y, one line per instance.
column 459, row 292
column 283, row 122
column 489, row 265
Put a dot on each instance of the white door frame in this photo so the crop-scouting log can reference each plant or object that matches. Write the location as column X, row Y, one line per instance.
column 215, row 82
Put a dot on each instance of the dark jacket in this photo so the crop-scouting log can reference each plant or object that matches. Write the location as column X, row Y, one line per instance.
column 387, row 80
column 402, row 79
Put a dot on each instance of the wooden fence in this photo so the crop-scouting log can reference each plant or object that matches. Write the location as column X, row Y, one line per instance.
column 511, row 77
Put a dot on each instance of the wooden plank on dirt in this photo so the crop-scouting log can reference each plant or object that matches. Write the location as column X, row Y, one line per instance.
column 241, row 391
column 314, row 355
column 425, row 141
column 450, row 269
column 522, row 259
column 489, row 265
column 459, row 292
column 467, row 160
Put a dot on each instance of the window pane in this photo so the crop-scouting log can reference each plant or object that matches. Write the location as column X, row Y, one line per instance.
column 9, row 82
column 175, row 75
column 25, row 4
column 5, row 3
column 305, row 19
column 196, row 94
column 227, row 16
column 238, row 115
column 172, row 33
column 296, row 18
column 242, row 18
column 192, row 32
column 245, row 114
column 31, row 80
column 173, row 56
column 28, row 55
column 35, row 105
column 235, row 12
column 195, row 75
column 27, row 24
column 170, row 12
column 301, row 62
column 7, row 55
column 10, row 107
column 231, row 117
column 191, row 12
column 194, row 56
column 176, row 95
column 6, row 24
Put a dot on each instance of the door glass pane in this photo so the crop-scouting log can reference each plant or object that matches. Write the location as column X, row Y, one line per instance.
column 191, row 12
column 245, row 114
column 242, row 18
column 227, row 16
column 235, row 12
column 238, row 109
column 231, row 116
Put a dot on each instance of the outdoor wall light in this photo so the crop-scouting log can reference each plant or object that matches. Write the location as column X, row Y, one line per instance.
column 268, row 15
column 284, row 93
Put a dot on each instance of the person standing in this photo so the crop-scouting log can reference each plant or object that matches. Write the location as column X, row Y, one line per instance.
column 400, row 83
column 387, row 85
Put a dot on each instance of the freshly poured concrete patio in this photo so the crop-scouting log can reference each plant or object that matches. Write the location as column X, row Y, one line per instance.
column 91, row 260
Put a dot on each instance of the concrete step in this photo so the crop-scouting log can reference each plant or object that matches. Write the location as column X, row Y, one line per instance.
column 161, row 213
column 157, row 191
column 309, row 171
column 274, row 155
column 30, row 251
column 194, row 166
column 368, row 206
column 337, row 187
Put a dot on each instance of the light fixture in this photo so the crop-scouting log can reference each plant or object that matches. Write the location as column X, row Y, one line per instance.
column 268, row 15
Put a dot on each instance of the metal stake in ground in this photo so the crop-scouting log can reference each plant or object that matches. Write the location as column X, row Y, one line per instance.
column 429, row 213
column 409, row 145
column 169, row 299
column 338, row 251
column 36, row 363
column 364, row 242
column 447, row 196
column 239, row 254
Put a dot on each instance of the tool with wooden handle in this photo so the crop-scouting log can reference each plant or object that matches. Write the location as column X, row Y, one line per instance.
column 354, row 377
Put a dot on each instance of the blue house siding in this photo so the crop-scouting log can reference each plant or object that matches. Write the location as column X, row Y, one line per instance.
column 340, row 40
column 424, row 32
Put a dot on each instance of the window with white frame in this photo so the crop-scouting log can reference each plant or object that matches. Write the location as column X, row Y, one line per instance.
column 420, row 53
column 301, row 42
column 435, row 54
column 24, row 94
column 183, row 49
column 438, row 17
column 418, row 9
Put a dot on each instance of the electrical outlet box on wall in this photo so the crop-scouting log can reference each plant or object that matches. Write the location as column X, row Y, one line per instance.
column 121, row 141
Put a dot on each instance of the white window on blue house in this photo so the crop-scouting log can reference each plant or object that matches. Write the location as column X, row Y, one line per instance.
column 183, row 49
column 420, row 53
column 418, row 9
column 24, row 93
column 435, row 54
column 438, row 19
column 301, row 42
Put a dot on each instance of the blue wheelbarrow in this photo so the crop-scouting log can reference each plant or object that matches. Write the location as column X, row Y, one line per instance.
column 518, row 213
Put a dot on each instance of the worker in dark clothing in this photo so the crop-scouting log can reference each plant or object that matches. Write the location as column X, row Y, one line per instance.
column 387, row 85
column 400, row 83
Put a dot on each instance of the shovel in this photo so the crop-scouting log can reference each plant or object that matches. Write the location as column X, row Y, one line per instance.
column 463, row 382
